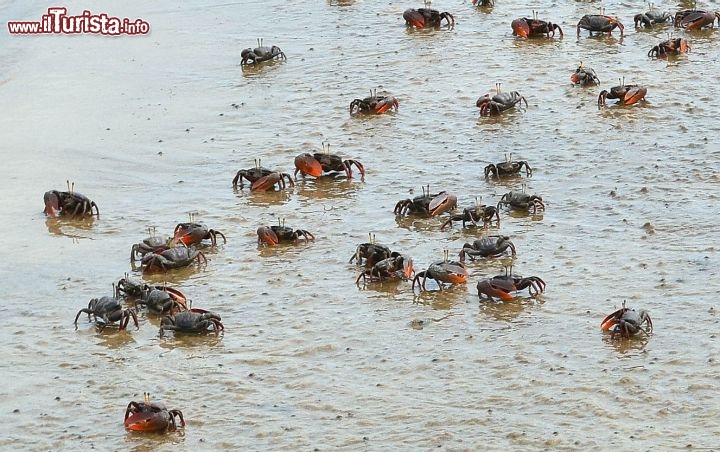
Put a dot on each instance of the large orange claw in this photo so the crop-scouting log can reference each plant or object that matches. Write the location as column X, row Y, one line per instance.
column 414, row 18
column 146, row 422
column 267, row 182
column 520, row 28
column 634, row 94
column 443, row 202
column 307, row 164
column 52, row 203
column 267, row 236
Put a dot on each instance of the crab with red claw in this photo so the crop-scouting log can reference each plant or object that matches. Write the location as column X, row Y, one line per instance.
column 427, row 17
column 499, row 102
column 490, row 246
column 443, row 272
column 669, row 47
column 150, row 417
column 695, row 19
column 69, row 204
column 627, row 323
column 500, row 286
column 508, row 168
column 599, row 23
column 371, row 252
column 163, row 300
column 262, row 179
column 194, row 233
column 192, row 321
column 260, row 54
column 106, row 311
column 652, row 17
column 396, row 267
column 427, row 204
column 475, row 214
column 374, row 104
column 519, row 200
column 321, row 163
column 151, row 244
column 273, row 235
column 172, row 258
column 584, row 76
column 625, row 94
column 533, row 28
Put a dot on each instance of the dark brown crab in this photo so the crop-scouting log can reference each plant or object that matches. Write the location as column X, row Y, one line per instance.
column 627, row 322
column 262, row 179
column 163, row 300
column 106, row 311
column 272, row 235
column 69, row 203
column 371, row 252
column 320, row 163
column 396, row 267
column 151, row 244
column 695, row 19
column 194, row 233
column 625, row 94
column 427, row 204
column 474, row 215
column 599, row 23
column 427, row 18
column 374, row 104
column 445, row 271
column 669, row 47
column 508, row 168
column 172, row 258
column 533, row 28
column 500, row 286
column 584, row 76
column 260, row 54
column 149, row 416
column 499, row 102
column 519, row 200
column 652, row 17
column 192, row 321
column 490, row 246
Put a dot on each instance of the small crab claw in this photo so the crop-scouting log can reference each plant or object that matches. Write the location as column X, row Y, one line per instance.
column 414, row 18
column 267, row 236
column 307, row 164
column 520, row 28
column 52, row 204
column 442, row 203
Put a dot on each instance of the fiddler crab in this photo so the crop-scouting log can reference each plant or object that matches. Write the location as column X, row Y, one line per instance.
column 320, row 163
column 106, row 311
column 519, row 200
column 625, row 94
column 428, row 204
column 193, row 321
column 532, row 28
column 272, row 235
column 599, row 23
column 500, row 286
column 150, row 417
column 584, row 76
column 490, row 246
column 627, row 323
column 499, row 102
column 474, row 215
column 445, row 271
column 374, row 104
column 69, row 204
column 396, row 267
column 370, row 253
column 261, row 53
column 262, row 179
column 507, row 168
column 427, row 17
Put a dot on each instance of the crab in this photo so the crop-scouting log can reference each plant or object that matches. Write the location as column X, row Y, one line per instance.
column 519, row 200
column 531, row 28
column 499, row 102
column 194, row 233
column 374, row 104
column 627, row 322
column 69, row 204
column 371, row 252
column 395, row 267
column 427, row 204
column 151, row 244
column 483, row 3
column 163, row 299
column 192, row 321
column 651, row 17
column 151, row 417
column 599, row 23
column 445, row 271
column 261, row 53
column 475, row 214
column 108, row 310
column 670, row 47
column 323, row 162
column 695, row 19
column 262, row 179
column 490, row 246
column 584, row 76
column 625, row 94
column 427, row 18
column 272, row 235
column 128, row 287
column 507, row 168
column 172, row 258
column 500, row 286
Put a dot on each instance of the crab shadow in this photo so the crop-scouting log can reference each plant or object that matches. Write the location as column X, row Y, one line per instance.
column 70, row 227
column 414, row 222
column 440, row 300
column 172, row 339
column 508, row 310
column 264, row 198
column 335, row 185
column 257, row 69
column 627, row 347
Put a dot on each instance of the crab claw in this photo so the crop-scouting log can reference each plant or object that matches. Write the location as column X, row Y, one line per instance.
column 414, row 18
column 145, row 422
column 443, row 202
column 456, row 273
column 611, row 320
column 52, row 203
column 408, row 268
column 267, row 236
column 520, row 28
column 575, row 78
column 267, row 182
column 634, row 94
column 499, row 288
column 307, row 164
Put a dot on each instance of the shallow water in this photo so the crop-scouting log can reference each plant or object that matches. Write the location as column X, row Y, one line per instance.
column 153, row 128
